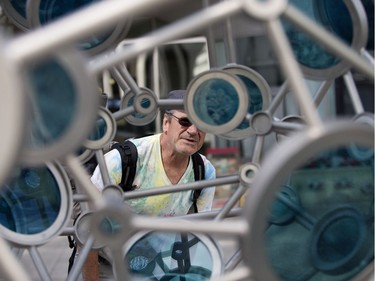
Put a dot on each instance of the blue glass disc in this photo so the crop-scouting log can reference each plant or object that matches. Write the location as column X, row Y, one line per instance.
column 330, row 233
column 99, row 130
column 50, row 10
column 170, row 256
column 30, row 203
column 255, row 98
column 55, row 102
column 216, row 102
column 334, row 16
column 20, row 7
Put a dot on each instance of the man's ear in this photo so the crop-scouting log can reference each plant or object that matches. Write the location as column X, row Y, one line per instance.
column 165, row 123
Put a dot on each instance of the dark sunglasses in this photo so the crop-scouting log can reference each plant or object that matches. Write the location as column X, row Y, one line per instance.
column 183, row 121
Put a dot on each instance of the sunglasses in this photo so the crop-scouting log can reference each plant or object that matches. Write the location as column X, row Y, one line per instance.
column 183, row 121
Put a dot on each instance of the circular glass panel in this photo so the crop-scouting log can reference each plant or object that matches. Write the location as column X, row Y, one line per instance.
column 216, row 101
column 173, row 256
column 16, row 12
column 34, row 204
column 324, row 228
column 258, row 93
column 64, row 106
column 137, row 118
column 13, row 116
column 104, row 131
column 42, row 12
column 338, row 17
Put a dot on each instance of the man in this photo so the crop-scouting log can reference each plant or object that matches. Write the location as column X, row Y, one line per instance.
column 163, row 159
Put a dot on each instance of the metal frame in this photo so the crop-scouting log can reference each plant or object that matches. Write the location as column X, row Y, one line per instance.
column 61, row 221
column 248, row 227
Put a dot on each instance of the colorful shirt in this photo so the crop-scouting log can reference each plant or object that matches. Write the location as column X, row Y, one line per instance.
column 150, row 174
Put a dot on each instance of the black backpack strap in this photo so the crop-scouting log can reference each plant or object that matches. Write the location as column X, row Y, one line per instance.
column 129, row 155
column 199, row 174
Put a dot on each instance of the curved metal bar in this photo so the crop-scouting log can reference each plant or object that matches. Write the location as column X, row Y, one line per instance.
column 329, row 41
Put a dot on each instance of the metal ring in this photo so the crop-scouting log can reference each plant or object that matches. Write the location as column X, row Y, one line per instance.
column 216, row 101
column 279, row 163
column 110, row 225
column 79, row 117
column 82, row 230
column 16, row 12
column 145, row 106
column 296, row 119
column 261, row 122
column 257, row 102
column 359, row 40
column 106, row 122
column 333, row 222
column 13, row 115
column 354, row 150
column 265, row 10
column 107, row 38
column 248, row 173
column 209, row 245
column 28, row 187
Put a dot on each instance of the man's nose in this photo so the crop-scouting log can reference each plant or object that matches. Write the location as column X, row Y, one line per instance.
column 192, row 129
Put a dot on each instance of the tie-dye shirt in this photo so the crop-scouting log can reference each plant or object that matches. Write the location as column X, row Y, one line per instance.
column 150, row 174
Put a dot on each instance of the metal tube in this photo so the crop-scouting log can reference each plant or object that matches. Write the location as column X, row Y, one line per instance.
column 175, row 30
column 353, row 93
column 234, row 261
column 119, row 79
column 286, row 127
column 237, row 228
column 80, row 24
column 292, row 71
column 39, row 264
column 80, row 175
column 181, row 187
column 322, row 91
column 10, row 267
column 103, row 167
column 278, row 98
column 80, row 261
column 123, row 71
column 231, row 202
column 329, row 41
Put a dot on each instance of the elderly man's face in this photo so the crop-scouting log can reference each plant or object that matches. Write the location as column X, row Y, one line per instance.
column 185, row 138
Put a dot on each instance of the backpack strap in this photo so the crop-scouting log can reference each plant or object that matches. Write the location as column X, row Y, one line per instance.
column 129, row 155
column 199, row 174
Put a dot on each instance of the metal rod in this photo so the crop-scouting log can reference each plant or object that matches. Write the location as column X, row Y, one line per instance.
column 237, row 228
column 119, row 79
column 258, row 148
column 322, row 91
column 99, row 154
column 286, row 127
column 279, row 97
column 170, row 32
column 353, row 93
column 329, row 41
column 212, row 214
column 234, row 261
column 240, row 274
column 128, row 79
column 181, row 187
column 292, row 71
column 231, row 202
column 80, row 175
column 10, row 267
column 78, row 25
column 80, row 261
column 39, row 264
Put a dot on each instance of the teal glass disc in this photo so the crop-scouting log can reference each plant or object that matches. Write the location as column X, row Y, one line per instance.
column 30, row 202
